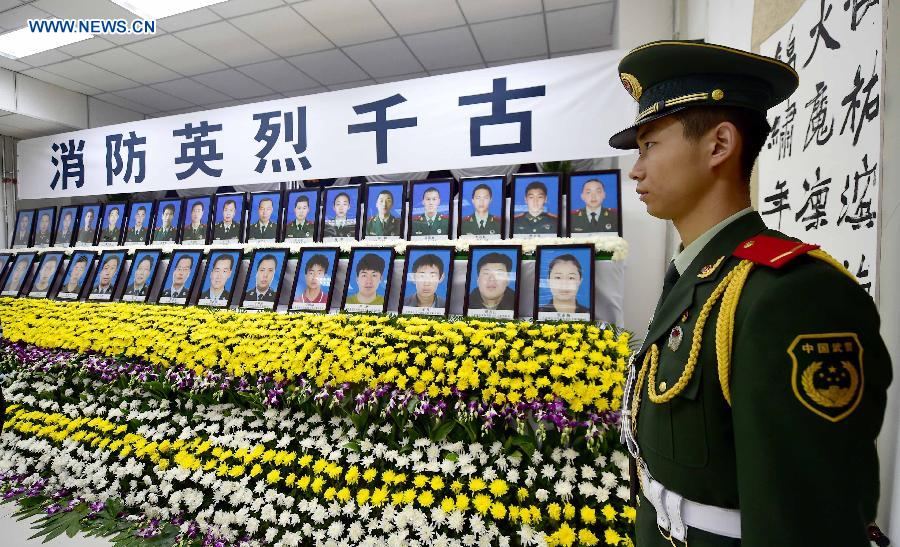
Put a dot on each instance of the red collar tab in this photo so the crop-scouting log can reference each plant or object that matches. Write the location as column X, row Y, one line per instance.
column 772, row 251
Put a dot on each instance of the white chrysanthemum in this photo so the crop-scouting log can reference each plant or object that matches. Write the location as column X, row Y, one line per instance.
column 608, row 479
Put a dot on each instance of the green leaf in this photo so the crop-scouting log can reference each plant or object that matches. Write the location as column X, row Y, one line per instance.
column 353, row 445
column 451, row 456
column 440, row 432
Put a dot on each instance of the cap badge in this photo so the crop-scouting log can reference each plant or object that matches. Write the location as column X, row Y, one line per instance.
column 632, row 85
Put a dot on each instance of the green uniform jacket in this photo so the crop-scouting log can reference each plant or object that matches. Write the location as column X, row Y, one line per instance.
column 469, row 226
column 194, row 234
column 136, row 236
column 41, row 239
column 110, row 236
column 387, row 227
column 232, row 232
column 295, row 230
column 607, row 221
column 544, row 223
column 440, row 226
column 799, row 478
column 164, row 234
column 258, row 231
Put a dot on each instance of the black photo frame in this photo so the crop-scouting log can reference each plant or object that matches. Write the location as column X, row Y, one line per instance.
column 567, row 260
column 89, row 224
column 198, row 235
column 418, row 263
column 113, row 274
column 45, row 222
column 473, row 306
column 523, row 223
column 180, row 296
column 439, row 227
column 112, row 237
column 140, row 222
column 214, row 266
column 608, row 219
column 46, row 274
column 73, row 283
column 66, row 226
column 4, row 262
column 305, row 232
column 172, row 232
column 19, row 274
column 358, row 258
column 135, row 289
column 233, row 231
column 23, row 230
column 495, row 224
column 307, row 261
column 393, row 228
column 257, row 230
column 251, row 298
column 332, row 231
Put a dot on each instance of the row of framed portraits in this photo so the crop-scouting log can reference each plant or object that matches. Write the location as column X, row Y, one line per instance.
column 563, row 288
column 419, row 210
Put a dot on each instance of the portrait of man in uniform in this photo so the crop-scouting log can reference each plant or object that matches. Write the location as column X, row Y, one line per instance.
column 563, row 286
column 48, row 269
column 180, row 277
column 368, row 280
column 265, row 216
column 315, row 276
column 229, row 225
column 65, row 227
column 168, row 217
column 197, row 221
column 594, row 203
column 138, row 219
column 22, row 233
column 426, row 280
column 481, row 207
column 221, row 269
column 384, row 211
column 15, row 282
column 263, row 283
column 44, row 232
column 535, row 206
column 339, row 222
column 493, row 282
column 430, row 212
column 76, row 273
column 141, row 276
column 88, row 225
column 107, row 275
column 301, row 216
column 111, row 230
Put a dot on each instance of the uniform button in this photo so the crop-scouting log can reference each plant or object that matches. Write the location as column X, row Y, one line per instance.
column 662, row 386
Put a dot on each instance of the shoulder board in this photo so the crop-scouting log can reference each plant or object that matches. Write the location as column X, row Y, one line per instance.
column 550, row 215
column 771, row 251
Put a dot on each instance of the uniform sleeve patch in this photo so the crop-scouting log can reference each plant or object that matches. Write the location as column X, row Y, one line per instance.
column 827, row 376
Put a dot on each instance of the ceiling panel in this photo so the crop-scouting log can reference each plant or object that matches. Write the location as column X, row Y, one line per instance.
column 283, row 31
column 410, row 16
column 402, row 77
column 16, row 18
column 580, row 28
column 305, row 92
column 511, row 38
column 477, row 11
column 279, row 75
column 562, row 4
column 130, row 65
column 351, row 85
column 125, row 103
column 61, row 81
column 11, row 64
column 86, row 47
column 193, row 18
column 385, row 58
column 153, row 98
column 45, row 58
column 235, row 8
column 346, row 22
column 177, row 55
column 329, row 67
column 83, row 9
column 456, row 69
column 192, row 91
column 445, row 48
column 226, row 43
column 234, row 84
column 85, row 73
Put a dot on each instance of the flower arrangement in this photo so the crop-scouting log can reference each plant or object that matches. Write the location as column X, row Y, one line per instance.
column 202, row 427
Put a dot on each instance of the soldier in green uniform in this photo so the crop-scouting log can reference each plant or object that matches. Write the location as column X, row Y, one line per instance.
column 481, row 222
column 431, row 223
column 593, row 217
column 536, row 221
column 384, row 223
column 138, row 234
column 87, row 230
column 42, row 236
column 166, row 231
column 263, row 228
column 228, row 229
column 111, row 230
column 196, row 230
column 753, row 405
column 300, row 228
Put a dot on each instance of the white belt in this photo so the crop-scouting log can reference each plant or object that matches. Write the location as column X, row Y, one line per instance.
column 675, row 515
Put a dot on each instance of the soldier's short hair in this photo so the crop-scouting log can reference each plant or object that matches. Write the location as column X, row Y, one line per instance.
column 169, row 207
column 67, row 214
column 319, row 260
column 495, row 258
column 385, row 192
column 141, row 208
column 224, row 256
column 299, row 199
column 196, row 203
column 566, row 258
column 483, row 186
column 147, row 258
column 231, row 202
column 431, row 189
column 371, row 262
column 536, row 185
column 429, row 260
column 265, row 199
column 109, row 259
column 80, row 259
column 185, row 256
column 265, row 257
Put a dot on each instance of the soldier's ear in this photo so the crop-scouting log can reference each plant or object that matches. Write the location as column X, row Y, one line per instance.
column 724, row 145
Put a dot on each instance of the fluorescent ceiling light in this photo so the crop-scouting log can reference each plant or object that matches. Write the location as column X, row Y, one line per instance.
column 157, row 9
column 23, row 42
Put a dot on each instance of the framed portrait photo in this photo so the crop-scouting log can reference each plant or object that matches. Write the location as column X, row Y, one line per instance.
column 106, row 277
column 168, row 221
column 66, row 226
column 88, row 225
column 595, row 203
column 564, row 286
column 140, row 214
column 492, row 282
column 265, row 216
column 4, row 262
column 482, row 207
column 430, row 211
column 74, row 281
column 22, row 232
column 427, row 278
column 301, row 215
column 43, row 230
column 262, row 287
column 196, row 220
column 140, row 278
column 314, row 280
column 368, row 280
column 48, row 270
column 219, row 276
column 228, row 225
column 18, row 274
column 535, row 205
column 341, row 209
column 384, row 218
column 181, row 275
column 111, row 226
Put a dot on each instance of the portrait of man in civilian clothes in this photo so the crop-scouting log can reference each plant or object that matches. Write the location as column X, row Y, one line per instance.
column 264, row 227
column 23, row 230
column 263, row 291
column 427, row 274
column 45, row 275
column 492, row 290
column 180, row 275
column 316, row 270
column 17, row 276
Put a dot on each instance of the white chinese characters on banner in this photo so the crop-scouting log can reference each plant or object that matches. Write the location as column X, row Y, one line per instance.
column 819, row 173
column 556, row 109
